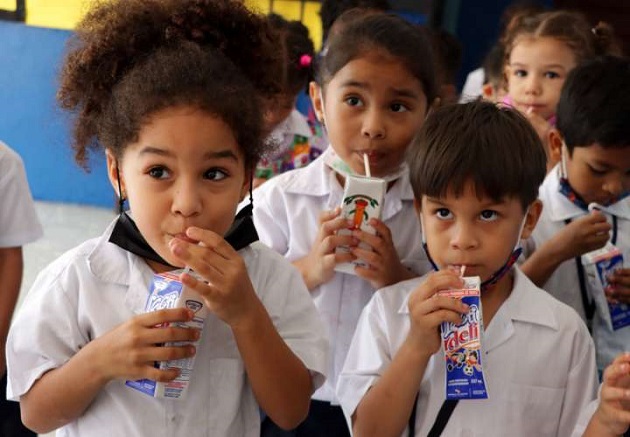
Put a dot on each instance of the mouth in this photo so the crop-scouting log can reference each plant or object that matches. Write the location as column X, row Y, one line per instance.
column 184, row 237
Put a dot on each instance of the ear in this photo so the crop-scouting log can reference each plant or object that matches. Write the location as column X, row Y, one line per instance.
column 247, row 182
column 555, row 140
column 114, row 171
column 533, row 214
column 315, row 92
column 487, row 92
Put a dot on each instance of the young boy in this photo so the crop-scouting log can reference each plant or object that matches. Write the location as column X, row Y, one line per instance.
column 475, row 170
column 592, row 141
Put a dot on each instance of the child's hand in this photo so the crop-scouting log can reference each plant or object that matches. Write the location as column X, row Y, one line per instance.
column 228, row 292
column 613, row 412
column 385, row 267
column 619, row 289
column 428, row 310
column 318, row 267
column 130, row 350
column 583, row 235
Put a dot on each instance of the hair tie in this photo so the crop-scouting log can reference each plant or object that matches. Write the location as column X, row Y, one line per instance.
column 305, row 60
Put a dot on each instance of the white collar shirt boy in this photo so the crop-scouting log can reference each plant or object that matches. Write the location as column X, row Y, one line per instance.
column 538, row 365
column 18, row 219
column 286, row 214
column 93, row 288
column 564, row 283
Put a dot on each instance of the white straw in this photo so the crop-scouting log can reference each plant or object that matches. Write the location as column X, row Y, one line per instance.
column 462, row 270
column 366, row 164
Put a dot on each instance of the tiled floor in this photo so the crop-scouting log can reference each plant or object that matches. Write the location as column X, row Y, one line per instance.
column 65, row 226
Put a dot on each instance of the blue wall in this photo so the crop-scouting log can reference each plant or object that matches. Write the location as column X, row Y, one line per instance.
column 31, row 123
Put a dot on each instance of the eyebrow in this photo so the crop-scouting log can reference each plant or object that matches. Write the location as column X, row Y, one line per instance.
column 488, row 204
column 521, row 65
column 401, row 92
column 221, row 154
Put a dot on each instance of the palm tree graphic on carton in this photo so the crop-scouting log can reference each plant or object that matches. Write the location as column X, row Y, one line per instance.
column 359, row 214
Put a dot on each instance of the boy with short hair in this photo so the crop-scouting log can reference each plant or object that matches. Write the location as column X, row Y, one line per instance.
column 592, row 143
column 475, row 170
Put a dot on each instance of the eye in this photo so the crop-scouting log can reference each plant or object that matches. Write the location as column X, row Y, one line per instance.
column 215, row 174
column 158, row 172
column 488, row 215
column 551, row 75
column 398, row 107
column 520, row 73
column 353, row 101
column 443, row 213
column 596, row 171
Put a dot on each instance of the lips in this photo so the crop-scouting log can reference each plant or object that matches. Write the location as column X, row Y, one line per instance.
column 183, row 236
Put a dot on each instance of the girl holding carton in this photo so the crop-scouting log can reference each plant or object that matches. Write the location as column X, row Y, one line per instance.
column 374, row 88
column 171, row 91
column 475, row 170
column 540, row 50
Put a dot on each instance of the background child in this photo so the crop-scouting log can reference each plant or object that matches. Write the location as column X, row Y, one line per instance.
column 18, row 225
column 609, row 414
column 182, row 153
column 333, row 9
column 295, row 142
column 475, row 170
column 593, row 142
column 375, row 86
column 540, row 51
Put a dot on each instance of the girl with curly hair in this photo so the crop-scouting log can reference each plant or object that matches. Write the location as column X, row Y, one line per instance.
column 171, row 90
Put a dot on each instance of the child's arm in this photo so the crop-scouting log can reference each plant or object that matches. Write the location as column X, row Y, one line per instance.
column 620, row 286
column 582, row 235
column 11, row 265
column 385, row 265
column 386, row 407
column 129, row 351
column 612, row 417
column 318, row 267
column 280, row 381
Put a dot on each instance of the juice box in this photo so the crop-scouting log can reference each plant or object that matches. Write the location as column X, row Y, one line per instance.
column 362, row 200
column 462, row 345
column 166, row 292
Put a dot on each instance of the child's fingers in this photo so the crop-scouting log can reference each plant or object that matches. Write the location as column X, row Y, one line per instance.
column 369, row 256
column 154, row 374
column 332, row 226
column 442, row 280
column 154, row 318
column 332, row 242
column 326, row 216
column 340, row 258
column 381, row 229
column 169, row 353
column 171, row 333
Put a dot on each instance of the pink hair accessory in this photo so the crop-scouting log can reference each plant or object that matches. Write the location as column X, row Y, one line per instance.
column 305, row 60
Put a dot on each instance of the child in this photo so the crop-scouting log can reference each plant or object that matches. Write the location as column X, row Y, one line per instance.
column 295, row 141
column 375, row 86
column 475, row 171
column 540, row 50
column 170, row 90
column 18, row 225
column 609, row 415
column 333, row 9
column 593, row 143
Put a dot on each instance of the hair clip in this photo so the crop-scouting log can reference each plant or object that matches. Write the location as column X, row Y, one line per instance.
column 305, row 60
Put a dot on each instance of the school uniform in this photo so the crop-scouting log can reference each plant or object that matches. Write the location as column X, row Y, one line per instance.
column 538, row 364
column 286, row 215
column 565, row 284
column 95, row 287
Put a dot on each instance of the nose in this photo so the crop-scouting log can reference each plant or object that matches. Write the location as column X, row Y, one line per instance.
column 373, row 125
column 615, row 185
column 463, row 236
column 187, row 199
column 533, row 85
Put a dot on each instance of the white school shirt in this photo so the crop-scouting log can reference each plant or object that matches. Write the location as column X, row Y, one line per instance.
column 96, row 286
column 18, row 219
column 564, row 283
column 538, row 365
column 286, row 215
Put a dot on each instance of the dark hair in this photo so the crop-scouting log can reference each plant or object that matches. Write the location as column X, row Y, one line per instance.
column 493, row 66
column 570, row 27
column 132, row 58
column 333, row 9
column 298, row 52
column 494, row 147
column 594, row 105
column 447, row 54
column 373, row 32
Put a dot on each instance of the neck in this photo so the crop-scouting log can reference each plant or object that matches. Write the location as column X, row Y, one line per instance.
column 493, row 297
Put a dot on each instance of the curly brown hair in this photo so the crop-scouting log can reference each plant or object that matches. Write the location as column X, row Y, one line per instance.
column 132, row 58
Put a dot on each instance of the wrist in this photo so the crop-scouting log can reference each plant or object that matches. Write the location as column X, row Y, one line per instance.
column 101, row 369
column 412, row 348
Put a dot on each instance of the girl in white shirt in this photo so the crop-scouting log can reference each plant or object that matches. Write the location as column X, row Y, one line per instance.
column 171, row 91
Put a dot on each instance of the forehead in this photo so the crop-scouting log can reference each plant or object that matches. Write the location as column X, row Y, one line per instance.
column 542, row 50
column 468, row 195
column 613, row 157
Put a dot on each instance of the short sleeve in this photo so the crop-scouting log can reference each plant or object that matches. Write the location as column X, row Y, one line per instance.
column 269, row 217
column 368, row 357
column 18, row 219
column 44, row 335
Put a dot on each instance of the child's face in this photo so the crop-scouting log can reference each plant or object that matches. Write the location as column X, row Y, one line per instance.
column 478, row 233
column 599, row 174
column 372, row 105
column 185, row 169
column 278, row 109
column 536, row 71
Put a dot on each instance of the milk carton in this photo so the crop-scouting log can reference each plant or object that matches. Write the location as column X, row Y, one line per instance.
column 166, row 292
column 362, row 200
